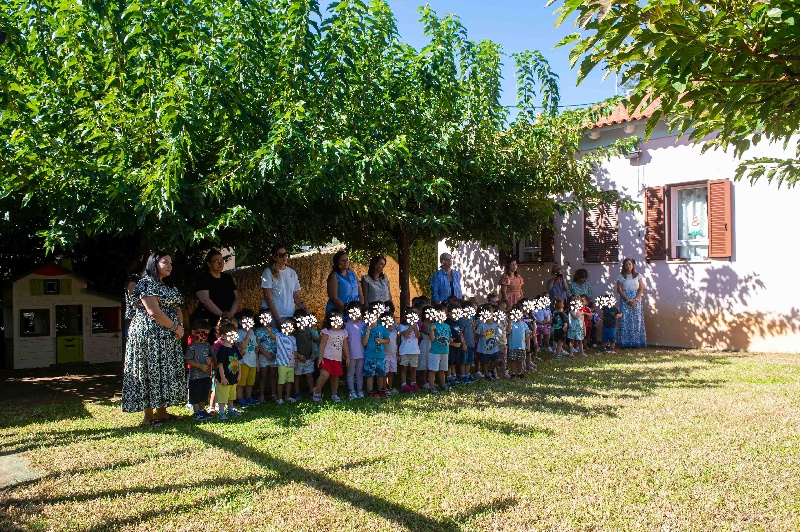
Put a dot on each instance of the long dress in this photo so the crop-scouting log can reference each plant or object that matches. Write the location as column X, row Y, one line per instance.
column 630, row 329
column 153, row 375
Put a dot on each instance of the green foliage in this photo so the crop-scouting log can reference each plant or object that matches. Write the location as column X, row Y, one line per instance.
column 722, row 69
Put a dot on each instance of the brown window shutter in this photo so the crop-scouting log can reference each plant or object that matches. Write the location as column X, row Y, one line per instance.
column 655, row 225
column 720, row 223
column 591, row 234
column 548, row 243
column 610, row 234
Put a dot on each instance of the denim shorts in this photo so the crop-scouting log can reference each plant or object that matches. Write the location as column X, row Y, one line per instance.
column 374, row 367
column 609, row 335
column 468, row 356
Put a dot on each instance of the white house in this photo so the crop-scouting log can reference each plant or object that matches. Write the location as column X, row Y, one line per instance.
column 717, row 255
column 51, row 317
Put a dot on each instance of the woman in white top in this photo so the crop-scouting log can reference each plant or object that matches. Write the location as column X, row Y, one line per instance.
column 280, row 286
column 375, row 285
column 630, row 287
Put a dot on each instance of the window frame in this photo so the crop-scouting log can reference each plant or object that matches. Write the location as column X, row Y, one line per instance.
column 48, row 323
column 118, row 312
column 672, row 216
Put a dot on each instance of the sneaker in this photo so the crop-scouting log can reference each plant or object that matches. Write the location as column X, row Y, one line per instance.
column 414, row 387
column 433, row 390
column 506, row 375
column 559, row 357
column 392, row 391
column 279, row 401
column 478, row 375
column 405, row 388
column 316, row 396
column 298, row 396
column 361, row 395
column 426, row 386
column 575, row 349
column 446, row 388
column 200, row 415
column 234, row 413
column 373, row 395
column 292, row 400
column 336, row 398
column 465, row 380
column 382, row 394
column 251, row 401
column 222, row 416
column 190, row 407
column 353, row 395
column 489, row 377
column 242, row 404
column 612, row 352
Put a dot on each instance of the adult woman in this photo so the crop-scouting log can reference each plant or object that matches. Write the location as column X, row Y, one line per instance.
column 630, row 287
column 579, row 285
column 280, row 286
column 557, row 284
column 154, row 377
column 511, row 284
column 216, row 291
column 375, row 285
column 343, row 285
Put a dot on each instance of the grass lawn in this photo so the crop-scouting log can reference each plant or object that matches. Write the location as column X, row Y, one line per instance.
column 655, row 440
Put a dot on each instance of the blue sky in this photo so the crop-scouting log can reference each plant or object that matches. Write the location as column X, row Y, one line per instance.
column 516, row 25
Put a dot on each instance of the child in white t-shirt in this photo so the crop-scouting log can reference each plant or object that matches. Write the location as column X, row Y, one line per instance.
column 409, row 349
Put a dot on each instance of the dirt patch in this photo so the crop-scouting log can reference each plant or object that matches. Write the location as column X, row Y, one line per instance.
column 90, row 382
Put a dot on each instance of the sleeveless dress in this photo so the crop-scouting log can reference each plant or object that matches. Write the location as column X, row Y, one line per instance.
column 630, row 329
column 154, row 375
column 348, row 289
column 513, row 285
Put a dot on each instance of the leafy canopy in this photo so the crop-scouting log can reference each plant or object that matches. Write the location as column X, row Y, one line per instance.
column 729, row 69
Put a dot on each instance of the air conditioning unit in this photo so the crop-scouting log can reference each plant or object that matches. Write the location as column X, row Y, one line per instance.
column 633, row 154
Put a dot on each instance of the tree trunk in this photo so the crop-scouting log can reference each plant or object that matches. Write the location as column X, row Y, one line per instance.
column 404, row 261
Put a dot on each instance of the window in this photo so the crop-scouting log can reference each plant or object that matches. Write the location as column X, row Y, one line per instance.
column 689, row 221
column 105, row 320
column 34, row 322
column 540, row 248
column 52, row 287
column 601, row 233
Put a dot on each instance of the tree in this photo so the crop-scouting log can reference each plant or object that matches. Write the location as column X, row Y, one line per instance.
column 729, row 69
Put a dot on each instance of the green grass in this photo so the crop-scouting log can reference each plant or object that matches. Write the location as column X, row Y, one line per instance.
column 658, row 440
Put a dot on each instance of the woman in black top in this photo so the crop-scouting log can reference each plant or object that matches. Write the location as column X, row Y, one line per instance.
column 216, row 291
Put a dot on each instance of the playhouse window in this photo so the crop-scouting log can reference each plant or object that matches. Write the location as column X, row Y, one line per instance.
column 105, row 320
column 52, row 287
column 34, row 322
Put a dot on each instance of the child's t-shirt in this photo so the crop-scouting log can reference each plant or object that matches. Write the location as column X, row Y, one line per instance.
column 287, row 346
column 354, row 330
column 610, row 317
column 305, row 343
column 501, row 335
column 267, row 342
column 440, row 345
column 587, row 318
column 374, row 350
column 410, row 345
column 458, row 337
column 249, row 356
column 199, row 353
column 559, row 320
column 542, row 315
column 334, row 345
column 487, row 338
column 467, row 331
column 229, row 358
column 516, row 340
column 390, row 349
column 315, row 340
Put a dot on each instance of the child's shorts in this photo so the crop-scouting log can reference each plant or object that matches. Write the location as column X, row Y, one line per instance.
column 199, row 390
column 558, row 335
column 285, row 374
column 468, row 356
column 373, row 367
column 516, row 354
column 544, row 330
column 454, row 356
column 225, row 394
column 486, row 358
column 264, row 362
column 304, row 368
column 422, row 360
column 390, row 364
column 609, row 335
column 437, row 362
column 247, row 377
column 409, row 360
column 333, row 367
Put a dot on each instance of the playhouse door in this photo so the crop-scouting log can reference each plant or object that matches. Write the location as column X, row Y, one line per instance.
column 69, row 333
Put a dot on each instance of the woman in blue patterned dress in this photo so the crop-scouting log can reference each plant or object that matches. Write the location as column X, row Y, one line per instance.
column 154, row 377
column 630, row 287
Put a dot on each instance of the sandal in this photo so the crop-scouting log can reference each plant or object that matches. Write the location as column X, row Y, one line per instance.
column 154, row 423
column 170, row 417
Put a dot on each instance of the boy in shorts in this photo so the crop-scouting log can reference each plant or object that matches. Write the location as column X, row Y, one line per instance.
column 200, row 360
column 559, row 326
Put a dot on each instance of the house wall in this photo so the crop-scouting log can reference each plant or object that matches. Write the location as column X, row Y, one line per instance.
column 749, row 302
column 41, row 351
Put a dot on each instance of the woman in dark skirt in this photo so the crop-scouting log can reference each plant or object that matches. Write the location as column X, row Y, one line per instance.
column 154, row 376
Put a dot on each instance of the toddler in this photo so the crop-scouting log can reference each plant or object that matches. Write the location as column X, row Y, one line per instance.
column 440, row 336
column 267, row 350
column 227, row 371
column 247, row 344
column 355, row 369
column 286, row 356
column 200, row 359
column 467, row 324
column 305, row 349
column 518, row 337
column 560, row 325
column 409, row 349
column 486, row 334
column 374, row 337
column 333, row 346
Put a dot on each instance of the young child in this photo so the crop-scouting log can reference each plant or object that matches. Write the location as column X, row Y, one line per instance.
column 214, row 348
column 247, row 344
column 594, row 321
column 501, row 319
column 287, row 359
column 544, row 318
column 305, row 350
column 576, row 330
column 467, row 324
column 587, row 321
column 531, row 347
column 454, row 356
column 374, row 338
column 560, row 326
column 409, row 349
column 267, row 350
column 441, row 337
column 333, row 347
column 424, row 345
column 200, row 359
column 486, row 333
column 492, row 299
column 518, row 338
column 227, row 371
column 611, row 314
column 390, row 354
column 355, row 369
